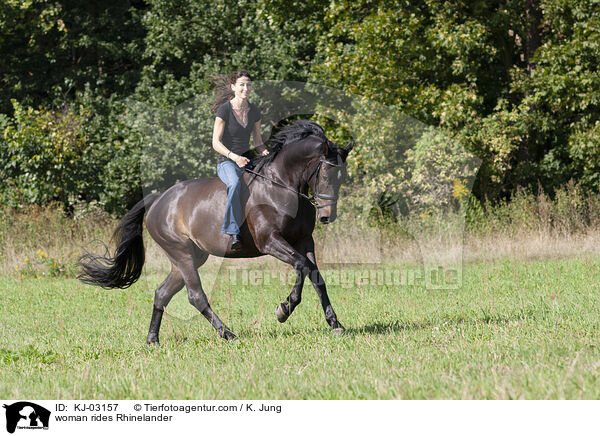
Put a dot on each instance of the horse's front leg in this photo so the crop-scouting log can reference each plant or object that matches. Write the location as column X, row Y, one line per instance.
column 319, row 284
column 278, row 247
column 304, row 262
column 285, row 309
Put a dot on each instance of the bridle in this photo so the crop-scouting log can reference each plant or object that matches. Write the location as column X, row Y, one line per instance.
column 316, row 193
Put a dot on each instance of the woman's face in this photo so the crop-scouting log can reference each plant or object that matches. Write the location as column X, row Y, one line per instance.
column 241, row 87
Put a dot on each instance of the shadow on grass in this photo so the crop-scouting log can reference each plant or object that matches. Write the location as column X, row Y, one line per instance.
column 181, row 335
column 383, row 328
column 380, row 328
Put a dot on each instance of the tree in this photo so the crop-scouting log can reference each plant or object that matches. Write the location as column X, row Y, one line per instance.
column 515, row 82
column 52, row 48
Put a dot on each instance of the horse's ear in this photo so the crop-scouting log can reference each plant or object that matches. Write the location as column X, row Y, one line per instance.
column 346, row 150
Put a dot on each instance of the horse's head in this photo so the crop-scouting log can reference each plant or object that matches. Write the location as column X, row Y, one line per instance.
column 313, row 160
column 327, row 178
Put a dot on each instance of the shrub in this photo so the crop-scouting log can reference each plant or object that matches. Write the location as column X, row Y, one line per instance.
column 45, row 155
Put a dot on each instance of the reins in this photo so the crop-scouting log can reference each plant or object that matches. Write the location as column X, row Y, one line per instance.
column 315, row 195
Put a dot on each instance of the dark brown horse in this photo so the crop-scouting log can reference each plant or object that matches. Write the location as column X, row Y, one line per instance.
column 186, row 220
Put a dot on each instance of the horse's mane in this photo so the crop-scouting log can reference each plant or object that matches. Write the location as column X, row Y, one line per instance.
column 289, row 135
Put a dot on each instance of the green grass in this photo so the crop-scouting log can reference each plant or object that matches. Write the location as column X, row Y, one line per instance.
column 514, row 330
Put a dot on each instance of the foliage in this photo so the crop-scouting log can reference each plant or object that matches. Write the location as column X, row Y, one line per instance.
column 571, row 211
column 527, row 111
column 174, row 144
column 440, row 173
column 44, row 152
column 41, row 265
column 72, row 155
column 435, row 61
column 52, row 48
column 562, row 100
column 190, row 40
column 514, row 83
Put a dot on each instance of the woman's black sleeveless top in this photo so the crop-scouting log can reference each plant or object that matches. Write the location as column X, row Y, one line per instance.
column 236, row 137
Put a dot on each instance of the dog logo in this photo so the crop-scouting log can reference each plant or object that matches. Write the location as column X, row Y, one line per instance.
column 25, row 415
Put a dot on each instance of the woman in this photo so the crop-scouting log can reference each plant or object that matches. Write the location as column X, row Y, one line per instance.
column 236, row 119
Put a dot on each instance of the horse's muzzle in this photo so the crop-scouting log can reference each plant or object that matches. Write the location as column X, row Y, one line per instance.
column 328, row 218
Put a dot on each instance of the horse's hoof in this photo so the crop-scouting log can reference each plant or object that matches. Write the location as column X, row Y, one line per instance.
column 338, row 331
column 152, row 340
column 280, row 314
column 229, row 336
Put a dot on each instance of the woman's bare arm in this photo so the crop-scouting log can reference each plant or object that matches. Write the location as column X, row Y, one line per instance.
column 258, row 142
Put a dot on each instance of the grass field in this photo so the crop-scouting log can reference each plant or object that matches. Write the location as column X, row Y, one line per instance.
column 514, row 330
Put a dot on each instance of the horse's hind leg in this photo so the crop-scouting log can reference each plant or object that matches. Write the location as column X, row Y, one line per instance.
column 167, row 289
column 198, row 299
column 188, row 259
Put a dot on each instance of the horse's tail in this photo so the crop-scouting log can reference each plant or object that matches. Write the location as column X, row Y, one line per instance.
column 125, row 267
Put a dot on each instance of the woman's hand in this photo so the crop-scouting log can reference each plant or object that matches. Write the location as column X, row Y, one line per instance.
column 240, row 160
column 265, row 152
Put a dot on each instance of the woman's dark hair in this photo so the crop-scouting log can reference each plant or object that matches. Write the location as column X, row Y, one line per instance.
column 223, row 84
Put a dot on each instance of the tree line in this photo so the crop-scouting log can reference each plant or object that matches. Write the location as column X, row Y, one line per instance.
column 514, row 82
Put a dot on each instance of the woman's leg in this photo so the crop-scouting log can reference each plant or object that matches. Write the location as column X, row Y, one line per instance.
column 230, row 173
